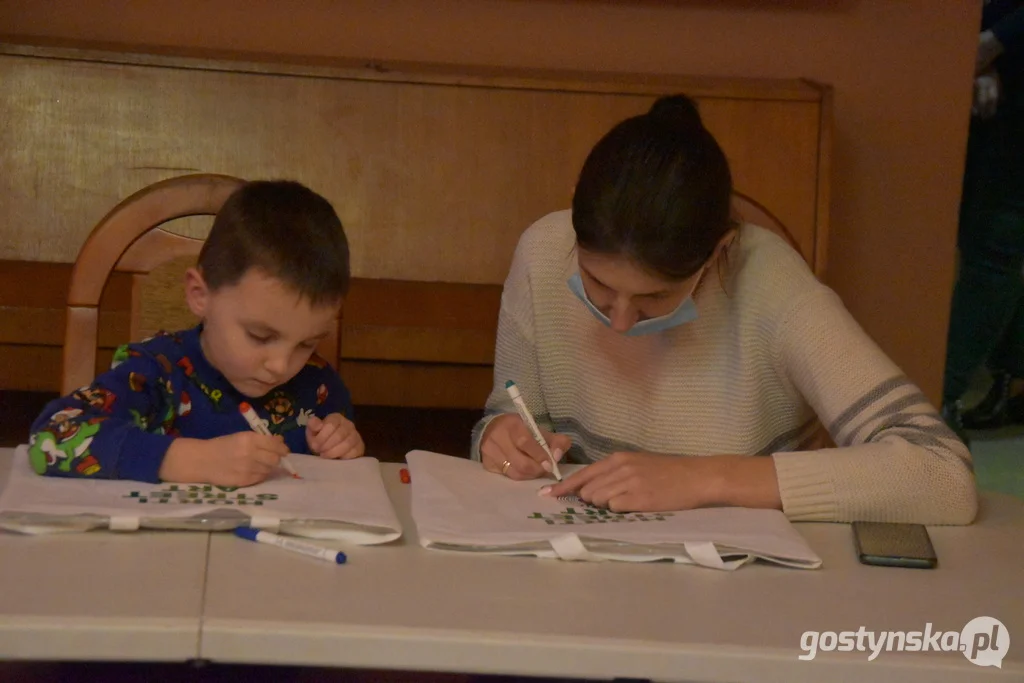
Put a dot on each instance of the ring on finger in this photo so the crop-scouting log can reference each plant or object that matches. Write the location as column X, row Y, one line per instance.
column 504, row 467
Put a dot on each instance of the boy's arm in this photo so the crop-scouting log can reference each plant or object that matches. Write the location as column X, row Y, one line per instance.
column 112, row 429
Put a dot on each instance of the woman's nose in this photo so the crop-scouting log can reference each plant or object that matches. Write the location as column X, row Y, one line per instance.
column 622, row 316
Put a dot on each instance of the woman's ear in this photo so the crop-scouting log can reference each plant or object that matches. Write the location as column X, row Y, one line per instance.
column 721, row 255
column 197, row 294
column 723, row 244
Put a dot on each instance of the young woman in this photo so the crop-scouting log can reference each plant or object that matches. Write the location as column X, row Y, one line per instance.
column 645, row 327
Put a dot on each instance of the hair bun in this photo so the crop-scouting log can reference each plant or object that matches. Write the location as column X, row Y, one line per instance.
column 677, row 109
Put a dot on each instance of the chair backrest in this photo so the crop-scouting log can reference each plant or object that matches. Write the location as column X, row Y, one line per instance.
column 750, row 211
column 130, row 239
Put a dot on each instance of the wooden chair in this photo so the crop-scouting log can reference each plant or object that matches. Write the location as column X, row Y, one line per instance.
column 748, row 210
column 130, row 239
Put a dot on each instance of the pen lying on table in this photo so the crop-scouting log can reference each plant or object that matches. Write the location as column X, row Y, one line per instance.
column 301, row 547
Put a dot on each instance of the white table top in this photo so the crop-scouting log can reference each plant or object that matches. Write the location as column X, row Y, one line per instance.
column 404, row 607
column 100, row 595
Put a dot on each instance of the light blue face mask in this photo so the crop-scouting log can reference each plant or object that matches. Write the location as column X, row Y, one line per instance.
column 684, row 312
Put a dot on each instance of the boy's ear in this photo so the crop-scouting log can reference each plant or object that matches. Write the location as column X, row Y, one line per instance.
column 197, row 294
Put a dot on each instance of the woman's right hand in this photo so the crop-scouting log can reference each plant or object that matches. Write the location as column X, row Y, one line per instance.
column 508, row 440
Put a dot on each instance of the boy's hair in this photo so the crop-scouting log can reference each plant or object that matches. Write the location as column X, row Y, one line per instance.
column 656, row 188
column 284, row 229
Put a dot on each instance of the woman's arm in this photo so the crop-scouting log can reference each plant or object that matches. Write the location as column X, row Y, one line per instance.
column 896, row 460
column 515, row 355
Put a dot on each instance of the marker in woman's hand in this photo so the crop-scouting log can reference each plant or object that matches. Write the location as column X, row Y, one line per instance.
column 524, row 413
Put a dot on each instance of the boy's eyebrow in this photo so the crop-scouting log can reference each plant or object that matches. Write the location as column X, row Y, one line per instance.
column 265, row 328
column 262, row 327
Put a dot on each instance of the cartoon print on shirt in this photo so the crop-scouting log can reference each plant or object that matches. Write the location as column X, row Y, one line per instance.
column 184, row 404
column 280, row 407
column 97, row 397
column 65, row 442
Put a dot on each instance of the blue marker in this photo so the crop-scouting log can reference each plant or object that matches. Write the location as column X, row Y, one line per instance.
column 302, row 547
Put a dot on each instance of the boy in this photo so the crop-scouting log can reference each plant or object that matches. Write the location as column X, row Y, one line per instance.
column 268, row 286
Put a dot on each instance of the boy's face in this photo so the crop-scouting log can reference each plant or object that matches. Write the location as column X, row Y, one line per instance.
column 258, row 332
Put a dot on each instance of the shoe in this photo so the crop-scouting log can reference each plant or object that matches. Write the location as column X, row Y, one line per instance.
column 952, row 415
column 991, row 413
column 1015, row 410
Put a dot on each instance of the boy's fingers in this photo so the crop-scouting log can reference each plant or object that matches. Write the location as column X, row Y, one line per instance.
column 263, row 458
column 321, row 440
column 331, row 443
column 351, row 447
column 345, row 447
column 271, row 443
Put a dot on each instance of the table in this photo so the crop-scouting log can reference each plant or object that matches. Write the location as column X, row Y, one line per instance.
column 403, row 607
column 99, row 595
column 175, row 596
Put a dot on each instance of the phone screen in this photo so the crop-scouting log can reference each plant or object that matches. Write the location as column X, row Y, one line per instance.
column 894, row 545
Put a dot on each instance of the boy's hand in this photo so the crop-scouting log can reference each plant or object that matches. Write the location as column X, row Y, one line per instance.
column 334, row 437
column 241, row 459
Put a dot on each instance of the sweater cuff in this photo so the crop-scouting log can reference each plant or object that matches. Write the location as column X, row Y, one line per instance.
column 478, row 432
column 142, row 454
column 805, row 486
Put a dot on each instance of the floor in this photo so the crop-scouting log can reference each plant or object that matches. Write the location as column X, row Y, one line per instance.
column 998, row 453
column 999, row 460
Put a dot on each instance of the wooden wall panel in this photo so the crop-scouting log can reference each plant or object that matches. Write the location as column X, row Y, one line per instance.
column 434, row 179
column 413, row 344
column 434, row 173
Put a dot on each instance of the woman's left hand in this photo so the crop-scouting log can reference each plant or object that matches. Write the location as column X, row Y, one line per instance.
column 643, row 482
column 651, row 482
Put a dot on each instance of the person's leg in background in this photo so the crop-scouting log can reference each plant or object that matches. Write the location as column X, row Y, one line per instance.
column 1004, row 403
column 989, row 287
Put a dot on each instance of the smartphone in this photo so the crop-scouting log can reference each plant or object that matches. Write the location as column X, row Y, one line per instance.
column 894, row 545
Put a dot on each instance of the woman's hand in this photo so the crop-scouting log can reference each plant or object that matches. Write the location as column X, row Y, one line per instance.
column 651, row 482
column 508, row 440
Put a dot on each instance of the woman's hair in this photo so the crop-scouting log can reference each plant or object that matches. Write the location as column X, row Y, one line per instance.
column 657, row 189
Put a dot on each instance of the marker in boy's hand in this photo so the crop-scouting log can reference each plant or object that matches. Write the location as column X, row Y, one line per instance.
column 241, row 459
column 334, row 437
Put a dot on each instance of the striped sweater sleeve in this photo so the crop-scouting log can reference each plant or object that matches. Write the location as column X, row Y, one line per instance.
column 896, row 459
column 515, row 355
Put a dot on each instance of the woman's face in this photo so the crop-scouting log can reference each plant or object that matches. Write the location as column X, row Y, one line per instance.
column 626, row 293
